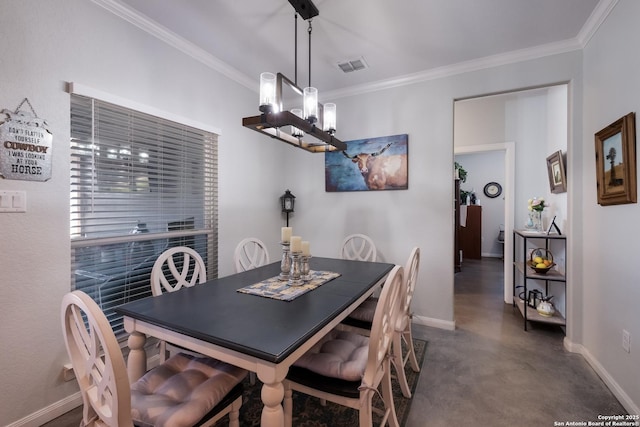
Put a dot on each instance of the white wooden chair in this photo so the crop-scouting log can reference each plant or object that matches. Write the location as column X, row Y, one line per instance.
column 176, row 267
column 358, row 247
column 360, row 320
column 249, row 254
column 348, row 368
column 170, row 394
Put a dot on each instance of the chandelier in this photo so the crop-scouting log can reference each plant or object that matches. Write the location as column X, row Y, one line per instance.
column 294, row 127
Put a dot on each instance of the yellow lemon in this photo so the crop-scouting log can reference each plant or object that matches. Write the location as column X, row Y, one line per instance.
column 541, row 265
column 538, row 260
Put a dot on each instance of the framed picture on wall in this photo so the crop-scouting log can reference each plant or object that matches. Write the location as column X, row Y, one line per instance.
column 556, row 171
column 369, row 164
column 616, row 171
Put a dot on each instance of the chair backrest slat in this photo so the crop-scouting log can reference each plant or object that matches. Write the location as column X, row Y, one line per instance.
column 358, row 247
column 177, row 267
column 410, row 279
column 384, row 323
column 249, row 254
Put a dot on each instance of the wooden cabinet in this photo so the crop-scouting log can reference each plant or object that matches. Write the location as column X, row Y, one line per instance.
column 471, row 233
column 555, row 278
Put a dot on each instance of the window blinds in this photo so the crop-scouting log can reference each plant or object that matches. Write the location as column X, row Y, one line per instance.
column 139, row 185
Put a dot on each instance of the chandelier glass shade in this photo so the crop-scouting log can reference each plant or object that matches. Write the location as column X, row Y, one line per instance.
column 267, row 92
column 329, row 122
column 310, row 101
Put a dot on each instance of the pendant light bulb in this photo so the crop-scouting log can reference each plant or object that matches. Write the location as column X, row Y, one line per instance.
column 267, row 92
column 310, row 100
column 329, row 118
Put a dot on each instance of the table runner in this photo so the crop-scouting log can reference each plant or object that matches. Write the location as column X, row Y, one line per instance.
column 279, row 289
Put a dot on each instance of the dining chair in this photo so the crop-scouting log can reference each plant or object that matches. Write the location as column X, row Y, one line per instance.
column 249, row 254
column 359, row 247
column 347, row 368
column 360, row 320
column 177, row 267
column 184, row 391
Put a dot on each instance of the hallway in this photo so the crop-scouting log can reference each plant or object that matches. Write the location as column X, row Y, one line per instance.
column 490, row 372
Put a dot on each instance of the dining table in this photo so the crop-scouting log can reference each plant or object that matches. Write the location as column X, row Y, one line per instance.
column 257, row 332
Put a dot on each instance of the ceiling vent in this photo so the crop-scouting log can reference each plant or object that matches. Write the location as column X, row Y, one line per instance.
column 355, row 64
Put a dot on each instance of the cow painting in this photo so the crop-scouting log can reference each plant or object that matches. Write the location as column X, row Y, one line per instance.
column 374, row 164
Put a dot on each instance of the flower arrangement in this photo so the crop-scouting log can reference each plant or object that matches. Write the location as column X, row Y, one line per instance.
column 536, row 204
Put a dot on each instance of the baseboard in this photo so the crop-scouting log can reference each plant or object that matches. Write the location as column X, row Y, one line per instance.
column 490, row 255
column 618, row 392
column 436, row 323
column 50, row 412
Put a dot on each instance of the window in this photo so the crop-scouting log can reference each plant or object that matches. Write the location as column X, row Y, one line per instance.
column 139, row 185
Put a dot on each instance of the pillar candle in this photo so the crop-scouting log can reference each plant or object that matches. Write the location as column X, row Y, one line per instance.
column 305, row 248
column 286, row 234
column 296, row 243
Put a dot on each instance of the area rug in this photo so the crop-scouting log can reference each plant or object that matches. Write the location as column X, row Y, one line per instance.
column 308, row 412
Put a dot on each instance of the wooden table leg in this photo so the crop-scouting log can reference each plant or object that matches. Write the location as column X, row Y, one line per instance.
column 272, row 412
column 137, row 360
column 272, row 394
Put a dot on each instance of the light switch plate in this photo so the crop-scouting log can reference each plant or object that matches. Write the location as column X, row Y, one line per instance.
column 13, row 201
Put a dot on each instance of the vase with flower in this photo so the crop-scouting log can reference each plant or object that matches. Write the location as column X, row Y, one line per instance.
column 535, row 206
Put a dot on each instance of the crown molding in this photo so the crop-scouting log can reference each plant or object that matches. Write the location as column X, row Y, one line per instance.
column 597, row 17
column 153, row 28
column 460, row 68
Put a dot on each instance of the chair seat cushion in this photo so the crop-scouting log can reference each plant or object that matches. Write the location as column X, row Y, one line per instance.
column 182, row 391
column 340, row 354
column 365, row 311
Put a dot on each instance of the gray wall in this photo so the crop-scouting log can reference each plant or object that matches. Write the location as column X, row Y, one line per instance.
column 610, row 238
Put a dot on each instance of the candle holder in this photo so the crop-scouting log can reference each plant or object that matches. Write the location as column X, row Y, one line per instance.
column 285, row 264
column 304, row 269
column 295, row 279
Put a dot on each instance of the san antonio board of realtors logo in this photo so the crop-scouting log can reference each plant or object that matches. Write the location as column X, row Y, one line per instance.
column 25, row 146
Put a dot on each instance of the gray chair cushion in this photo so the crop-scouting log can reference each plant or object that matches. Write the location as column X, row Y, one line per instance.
column 365, row 311
column 340, row 354
column 182, row 390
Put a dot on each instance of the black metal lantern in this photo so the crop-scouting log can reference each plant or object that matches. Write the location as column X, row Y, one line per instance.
column 287, row 201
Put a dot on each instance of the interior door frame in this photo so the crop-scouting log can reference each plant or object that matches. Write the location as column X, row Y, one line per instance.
column 509, row 149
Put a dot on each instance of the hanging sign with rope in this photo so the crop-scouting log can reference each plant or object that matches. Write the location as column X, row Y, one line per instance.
column 25, row 145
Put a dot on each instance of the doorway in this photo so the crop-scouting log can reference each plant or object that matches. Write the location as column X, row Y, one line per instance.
column 506, row 152
column 526, row 126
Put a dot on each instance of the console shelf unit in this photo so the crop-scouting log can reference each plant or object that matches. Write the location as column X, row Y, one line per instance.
column 521, row 269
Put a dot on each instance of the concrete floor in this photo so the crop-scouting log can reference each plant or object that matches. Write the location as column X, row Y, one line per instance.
column 489, row 371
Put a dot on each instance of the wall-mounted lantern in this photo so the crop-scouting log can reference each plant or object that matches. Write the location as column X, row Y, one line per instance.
column 287, row 202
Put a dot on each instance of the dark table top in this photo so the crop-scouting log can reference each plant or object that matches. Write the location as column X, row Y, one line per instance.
column 265, row 328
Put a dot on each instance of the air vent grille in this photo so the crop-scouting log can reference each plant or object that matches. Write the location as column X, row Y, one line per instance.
column 355, row 64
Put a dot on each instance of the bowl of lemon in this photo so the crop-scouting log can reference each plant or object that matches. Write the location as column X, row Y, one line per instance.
column 541, row 260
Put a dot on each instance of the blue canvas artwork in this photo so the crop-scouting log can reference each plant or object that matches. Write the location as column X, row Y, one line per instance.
column 369, row 164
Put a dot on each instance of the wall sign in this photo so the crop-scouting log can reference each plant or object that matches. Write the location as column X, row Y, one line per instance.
column 25, row 145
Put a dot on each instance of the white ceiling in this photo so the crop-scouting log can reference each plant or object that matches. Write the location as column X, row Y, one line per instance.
column 400, row 40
